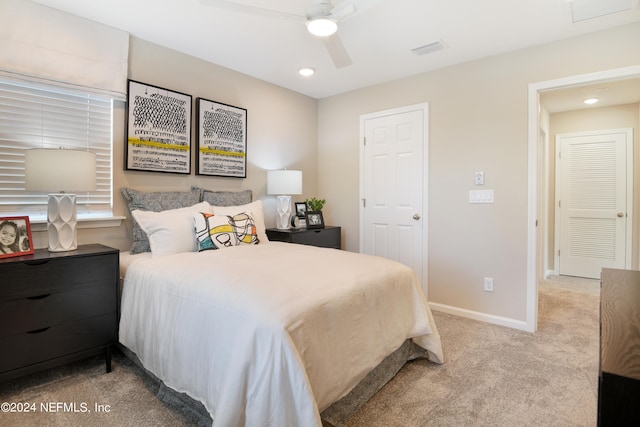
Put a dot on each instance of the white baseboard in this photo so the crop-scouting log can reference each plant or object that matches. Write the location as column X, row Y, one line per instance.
column 482, row 317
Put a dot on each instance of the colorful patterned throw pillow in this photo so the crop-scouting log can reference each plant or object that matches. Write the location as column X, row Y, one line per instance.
column 223, row 231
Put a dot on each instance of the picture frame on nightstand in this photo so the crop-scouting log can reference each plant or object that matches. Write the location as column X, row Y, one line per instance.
column 15, row 236
column 314, row 220
column 301, row 209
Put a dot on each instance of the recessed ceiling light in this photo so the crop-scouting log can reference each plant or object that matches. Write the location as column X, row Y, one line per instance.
column 306, row 71
column 590, row 101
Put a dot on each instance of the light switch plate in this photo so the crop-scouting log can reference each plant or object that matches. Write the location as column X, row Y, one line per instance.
column 480, row 196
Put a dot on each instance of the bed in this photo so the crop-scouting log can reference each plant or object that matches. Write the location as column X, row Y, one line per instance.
column 259, row 332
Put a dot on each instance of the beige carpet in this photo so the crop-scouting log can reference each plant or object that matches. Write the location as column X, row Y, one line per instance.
column 493, row 376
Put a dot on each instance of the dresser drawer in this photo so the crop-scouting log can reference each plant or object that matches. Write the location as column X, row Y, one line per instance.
column 28, row 314
column 26, row 349
column 53, row 275
column 324, row 237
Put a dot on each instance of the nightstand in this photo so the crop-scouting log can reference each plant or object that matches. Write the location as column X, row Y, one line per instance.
column 57, row 307
column 328, row 237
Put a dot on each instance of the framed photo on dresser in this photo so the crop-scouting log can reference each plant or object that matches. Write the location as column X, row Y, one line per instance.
column 15, row 236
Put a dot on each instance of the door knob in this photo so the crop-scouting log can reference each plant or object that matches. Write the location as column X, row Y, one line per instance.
column 416, row 216
column 620, row 214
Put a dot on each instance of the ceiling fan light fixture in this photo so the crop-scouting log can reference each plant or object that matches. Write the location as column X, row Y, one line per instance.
column 590, row 101
column 322, row 27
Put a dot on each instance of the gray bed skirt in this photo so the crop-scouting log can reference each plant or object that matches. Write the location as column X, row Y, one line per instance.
column 334, row 416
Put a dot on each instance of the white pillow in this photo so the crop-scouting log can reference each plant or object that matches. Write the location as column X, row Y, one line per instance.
column 171, row 231
column 256, row 211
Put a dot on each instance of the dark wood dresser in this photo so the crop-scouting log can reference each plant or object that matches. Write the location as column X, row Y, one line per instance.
column 328, row 237
column 619, row 381
column 57, row 307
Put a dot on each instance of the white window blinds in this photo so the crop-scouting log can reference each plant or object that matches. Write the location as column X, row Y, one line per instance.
column 34, row 115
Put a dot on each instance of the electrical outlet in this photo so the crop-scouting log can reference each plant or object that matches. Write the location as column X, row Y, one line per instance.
column 479, row 178
column 488, row 284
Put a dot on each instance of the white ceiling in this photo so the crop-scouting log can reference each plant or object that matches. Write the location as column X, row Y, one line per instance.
column 379, row 40
column 616, row 92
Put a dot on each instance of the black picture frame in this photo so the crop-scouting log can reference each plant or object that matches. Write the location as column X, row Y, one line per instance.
column 158, row 129
column 222, row 139
column 314, row 220
column 301, row 209
column 19, row 228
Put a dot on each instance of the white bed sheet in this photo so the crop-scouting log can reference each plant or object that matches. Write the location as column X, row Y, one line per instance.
column 270, row 334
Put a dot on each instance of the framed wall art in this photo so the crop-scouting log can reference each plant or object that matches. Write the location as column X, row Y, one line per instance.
column 15, row 236
column 158, row 129
column 222, row 139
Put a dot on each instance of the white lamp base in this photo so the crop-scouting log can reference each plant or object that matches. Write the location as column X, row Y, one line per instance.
column 283, row 211
column 61, row 222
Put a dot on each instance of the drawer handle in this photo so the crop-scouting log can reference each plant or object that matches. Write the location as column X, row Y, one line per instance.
column 37, row 262
column 39, row 297
column 38, row 331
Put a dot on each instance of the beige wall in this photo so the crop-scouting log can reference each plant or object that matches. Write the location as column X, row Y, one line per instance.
column 593, row 119
column 281, row 132
column 478, row 121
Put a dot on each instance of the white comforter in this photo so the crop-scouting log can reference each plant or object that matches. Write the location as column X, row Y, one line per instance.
column 270, row 334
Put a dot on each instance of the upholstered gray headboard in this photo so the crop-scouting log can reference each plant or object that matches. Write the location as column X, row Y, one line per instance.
column 158, row 201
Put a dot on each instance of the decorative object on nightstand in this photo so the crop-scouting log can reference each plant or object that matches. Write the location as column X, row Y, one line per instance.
column 299, row 220
column 60, row 170
column 284, row 183
column 315, row 220
column 313, row 215
column 328, row 237
column 314, row 204
column 57, row 307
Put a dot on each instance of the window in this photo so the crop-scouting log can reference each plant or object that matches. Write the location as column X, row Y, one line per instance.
column 37, row 115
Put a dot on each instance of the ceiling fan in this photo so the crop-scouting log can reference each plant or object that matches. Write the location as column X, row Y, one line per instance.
column 321, row 18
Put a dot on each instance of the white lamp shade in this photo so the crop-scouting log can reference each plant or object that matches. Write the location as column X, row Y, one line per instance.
column 284, row 182
column 60, row 170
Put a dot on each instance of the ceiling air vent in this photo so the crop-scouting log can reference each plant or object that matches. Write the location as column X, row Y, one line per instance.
column 429, row 48
column 583, row 10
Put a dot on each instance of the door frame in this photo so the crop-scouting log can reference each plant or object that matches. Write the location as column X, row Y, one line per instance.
column 424, row 107
column 628, row 199
column 535, row 169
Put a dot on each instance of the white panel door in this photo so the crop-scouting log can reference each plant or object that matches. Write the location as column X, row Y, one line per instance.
column 593, row 194
column 393, row 222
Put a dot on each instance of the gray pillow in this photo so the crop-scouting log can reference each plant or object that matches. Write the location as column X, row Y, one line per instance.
column 156, row 202
column 225, row 198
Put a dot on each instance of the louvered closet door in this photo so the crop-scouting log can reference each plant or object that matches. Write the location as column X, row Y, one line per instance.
column 593, row 198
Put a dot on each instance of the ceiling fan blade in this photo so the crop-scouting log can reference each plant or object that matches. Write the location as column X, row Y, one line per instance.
column 255, row 10
column 337, row 51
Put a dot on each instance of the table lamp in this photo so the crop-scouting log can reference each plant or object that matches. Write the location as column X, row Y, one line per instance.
column 284, row 183
column 60, row 170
